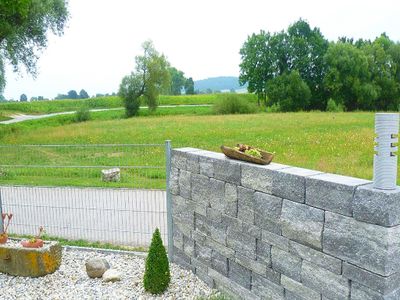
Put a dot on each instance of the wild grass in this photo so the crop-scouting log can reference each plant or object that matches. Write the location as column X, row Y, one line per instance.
column 83, row 243
column 3, row 117
column 53, row 106
column 339, row 143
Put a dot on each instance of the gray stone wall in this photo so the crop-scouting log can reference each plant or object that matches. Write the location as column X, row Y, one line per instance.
column 280, row 232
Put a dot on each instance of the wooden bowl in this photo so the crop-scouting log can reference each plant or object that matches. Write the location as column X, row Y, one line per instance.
column 266, row 157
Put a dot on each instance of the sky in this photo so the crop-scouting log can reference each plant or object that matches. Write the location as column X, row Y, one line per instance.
column 200, row 37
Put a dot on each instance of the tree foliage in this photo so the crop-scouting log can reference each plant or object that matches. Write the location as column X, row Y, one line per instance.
column 289, row 91
column 72, row 94
column 305, row 53
column 178, row 81
column 257, row 63
column 23, row 98
column 83, row 94
column 24, row 25
column 266, row 56
column 150, row 78
column 156, row 275
column 358, row 74
column 189, row 86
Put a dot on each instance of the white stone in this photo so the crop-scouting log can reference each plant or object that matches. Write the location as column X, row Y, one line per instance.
column 111, row 275
column 111, row 175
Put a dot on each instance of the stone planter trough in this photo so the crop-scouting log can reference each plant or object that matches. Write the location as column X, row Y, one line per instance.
column 28, row 262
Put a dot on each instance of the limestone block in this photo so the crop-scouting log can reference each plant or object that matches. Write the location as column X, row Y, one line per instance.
column 266, row 289
column 260, row 178
column 381, row 284
column 286, row 263
column 332, row 192
column 319, row 258
column 239, row 274
column 299, row 290
column 375, row 206
column 331, row 285
column 267, row 212
column 302, row 223
column 371, row 247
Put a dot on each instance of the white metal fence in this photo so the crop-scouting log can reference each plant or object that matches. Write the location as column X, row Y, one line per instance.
column 122, row 213
column 117, row 216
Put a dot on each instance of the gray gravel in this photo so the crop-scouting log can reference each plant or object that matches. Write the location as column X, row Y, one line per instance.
column 72, row 282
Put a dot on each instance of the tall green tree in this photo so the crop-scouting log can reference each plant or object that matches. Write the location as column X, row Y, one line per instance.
column 83, row 94
column 72, row 94
column 24, row 25
column 265, row 56
column 258, row 64
column 306, row 48
column 383, row 69
column 189, row 86
column 348, row 78
column 150, row 78
column 289, row 91
column 23, row 98
column 178, row 81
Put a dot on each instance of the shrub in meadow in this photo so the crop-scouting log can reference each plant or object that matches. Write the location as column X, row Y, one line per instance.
column 157, row 275
column 331, row 106
column 233, row 104
column 82, row 115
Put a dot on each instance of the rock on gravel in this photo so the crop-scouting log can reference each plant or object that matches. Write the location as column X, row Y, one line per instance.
column 95, row 267
column 111, row 275
column 70, row 281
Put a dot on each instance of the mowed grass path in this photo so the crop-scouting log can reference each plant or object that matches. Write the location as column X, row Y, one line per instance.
column 339, row 143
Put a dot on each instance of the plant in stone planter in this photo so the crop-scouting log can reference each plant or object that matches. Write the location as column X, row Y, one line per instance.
column 35, row 242
column 6, row 219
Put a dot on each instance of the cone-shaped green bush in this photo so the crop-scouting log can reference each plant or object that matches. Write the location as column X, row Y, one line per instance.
column 156, row 275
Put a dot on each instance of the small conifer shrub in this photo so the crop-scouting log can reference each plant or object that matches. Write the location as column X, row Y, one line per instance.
column 156, row 275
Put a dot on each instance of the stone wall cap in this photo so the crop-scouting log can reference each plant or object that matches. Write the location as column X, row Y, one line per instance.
column 340, row 179
column 186, row 149
column 370, row 187
column 300, row 171
column 221, row 156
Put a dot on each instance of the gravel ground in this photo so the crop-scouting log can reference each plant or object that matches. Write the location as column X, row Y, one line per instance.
column 72, row 282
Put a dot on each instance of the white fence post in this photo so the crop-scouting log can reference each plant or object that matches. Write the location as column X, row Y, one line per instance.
column 170, row 231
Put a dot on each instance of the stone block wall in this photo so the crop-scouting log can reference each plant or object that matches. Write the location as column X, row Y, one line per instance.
column 281, row 232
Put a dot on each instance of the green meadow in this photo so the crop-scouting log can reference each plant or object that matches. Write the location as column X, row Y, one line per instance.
column 40, row 107
column 339, row 143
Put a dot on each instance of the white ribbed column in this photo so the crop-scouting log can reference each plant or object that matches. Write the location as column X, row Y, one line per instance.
column 385, row 158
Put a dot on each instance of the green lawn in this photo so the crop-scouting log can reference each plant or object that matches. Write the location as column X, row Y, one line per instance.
column 332, row 142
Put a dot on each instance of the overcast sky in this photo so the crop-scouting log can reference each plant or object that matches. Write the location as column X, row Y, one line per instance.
column 201, row 38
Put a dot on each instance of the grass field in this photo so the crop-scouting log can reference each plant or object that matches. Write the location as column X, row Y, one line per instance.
column 3, row 117
column 332, row 142
column 53, row 106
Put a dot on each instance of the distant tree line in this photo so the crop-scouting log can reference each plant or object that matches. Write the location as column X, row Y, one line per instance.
column 299, row 69
column 179, row 83
column 72, row 94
